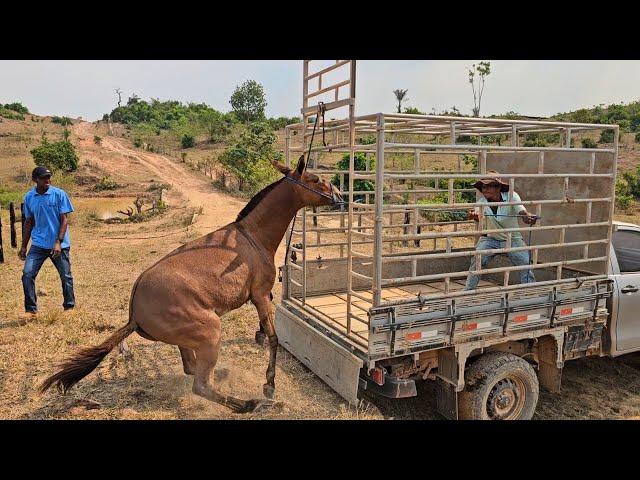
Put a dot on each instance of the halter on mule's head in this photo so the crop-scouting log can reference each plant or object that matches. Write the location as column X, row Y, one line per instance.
column 315, row 191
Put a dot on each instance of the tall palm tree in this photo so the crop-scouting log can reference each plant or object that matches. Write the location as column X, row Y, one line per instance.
column 401, row 97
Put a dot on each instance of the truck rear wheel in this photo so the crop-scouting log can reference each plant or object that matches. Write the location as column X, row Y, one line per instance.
column 499, row 386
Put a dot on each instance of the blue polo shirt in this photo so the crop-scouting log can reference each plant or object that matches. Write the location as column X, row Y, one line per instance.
column 46, row 209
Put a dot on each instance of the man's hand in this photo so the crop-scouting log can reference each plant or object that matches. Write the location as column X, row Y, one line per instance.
column 57, row 249
column 528, row 218
column 472, row 215
column 22, row 254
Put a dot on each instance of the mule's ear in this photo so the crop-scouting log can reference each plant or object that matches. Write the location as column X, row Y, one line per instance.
column 300, row 167
column 281, row 168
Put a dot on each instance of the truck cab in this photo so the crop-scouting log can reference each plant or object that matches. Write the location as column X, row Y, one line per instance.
column 624, row 270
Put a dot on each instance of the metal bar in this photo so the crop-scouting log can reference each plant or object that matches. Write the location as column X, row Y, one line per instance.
column 438, row 276
column 377, row 269
column 487, row 290
column 469, row 253
column 328, row 69
column 434, row 146
column 473, row 233
column 359, row 174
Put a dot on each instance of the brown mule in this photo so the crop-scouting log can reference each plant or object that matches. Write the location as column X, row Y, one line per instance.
column 181, row 298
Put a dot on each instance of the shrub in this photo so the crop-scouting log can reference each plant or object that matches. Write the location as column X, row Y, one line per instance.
column 56, row 156
column 188, row 141
column 606, row 136
column 97, row 140
column 589, row 143
column 637, row 137
column 16, row 107
column 359, row 163
column 10, row 114
column 137, row 142
column 7, row 196
column 106, row 183
column 64, row 121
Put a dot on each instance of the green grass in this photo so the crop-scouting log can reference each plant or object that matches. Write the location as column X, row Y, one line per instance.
column 7, row 196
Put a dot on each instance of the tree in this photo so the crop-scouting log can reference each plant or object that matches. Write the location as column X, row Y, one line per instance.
column 214, row 124
column 482, row 70
column 132, row 99
column 56, row 156
column 119, row 93
column 400, row 97
column 249, row 160
column 413, row 111
column 248, row 101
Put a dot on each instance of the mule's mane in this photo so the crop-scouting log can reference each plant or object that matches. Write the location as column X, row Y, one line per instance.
column 257, row 198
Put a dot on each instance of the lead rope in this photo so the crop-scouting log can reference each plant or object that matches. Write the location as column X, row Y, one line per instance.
column 321, row 110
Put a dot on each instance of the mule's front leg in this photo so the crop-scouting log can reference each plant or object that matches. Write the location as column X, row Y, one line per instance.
column 265, row 312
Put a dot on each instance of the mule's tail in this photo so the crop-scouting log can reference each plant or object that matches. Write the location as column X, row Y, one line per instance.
column 78, row 366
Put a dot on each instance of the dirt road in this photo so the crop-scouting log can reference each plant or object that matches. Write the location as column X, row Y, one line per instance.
column 218, row 209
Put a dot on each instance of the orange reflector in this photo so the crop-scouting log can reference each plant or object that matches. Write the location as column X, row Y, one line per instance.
column 566, row 311
column 470, row 326
column 413, row 336
column 520, row 318
column 377, row 375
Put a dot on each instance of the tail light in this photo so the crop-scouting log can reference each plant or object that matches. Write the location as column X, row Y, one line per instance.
column 377, row 375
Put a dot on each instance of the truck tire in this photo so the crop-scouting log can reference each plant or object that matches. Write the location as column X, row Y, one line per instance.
column 499, row 386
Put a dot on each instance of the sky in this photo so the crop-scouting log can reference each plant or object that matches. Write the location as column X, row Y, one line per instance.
column 83, row 88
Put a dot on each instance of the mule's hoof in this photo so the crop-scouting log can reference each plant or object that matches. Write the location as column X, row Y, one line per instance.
column 262, row 405
column 268, row 390
column 262, row 339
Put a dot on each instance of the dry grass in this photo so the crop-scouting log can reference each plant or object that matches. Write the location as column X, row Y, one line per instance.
column 150, row 384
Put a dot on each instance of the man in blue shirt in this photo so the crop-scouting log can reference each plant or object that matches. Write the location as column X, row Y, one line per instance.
column 45, row 212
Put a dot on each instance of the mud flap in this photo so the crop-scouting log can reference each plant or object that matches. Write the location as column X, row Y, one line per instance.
column 447, row 400
column 335, row 365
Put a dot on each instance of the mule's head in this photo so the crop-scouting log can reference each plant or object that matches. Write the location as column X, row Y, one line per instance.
column 312, row 190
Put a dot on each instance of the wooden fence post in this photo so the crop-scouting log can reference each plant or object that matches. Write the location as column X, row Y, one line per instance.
column 1, row 249
column 12, row 223
column 22, row 221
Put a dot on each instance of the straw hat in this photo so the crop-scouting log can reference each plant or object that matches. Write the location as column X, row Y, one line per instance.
column 504, row 187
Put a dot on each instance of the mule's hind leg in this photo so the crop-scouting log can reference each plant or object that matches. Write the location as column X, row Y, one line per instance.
column 203, row 383
column 188, row 360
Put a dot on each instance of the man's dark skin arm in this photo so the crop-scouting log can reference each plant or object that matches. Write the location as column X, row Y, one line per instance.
column 57, row 247
column 28, row 226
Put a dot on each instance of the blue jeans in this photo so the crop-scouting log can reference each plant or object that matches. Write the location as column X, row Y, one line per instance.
column 517, row 258
column 32, row 265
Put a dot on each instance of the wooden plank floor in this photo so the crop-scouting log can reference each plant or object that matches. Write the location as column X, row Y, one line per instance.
column 334, row 306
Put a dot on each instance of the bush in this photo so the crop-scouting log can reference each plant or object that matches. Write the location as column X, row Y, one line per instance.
column 188, row 141
column 64, row 121
column 97, row 140
column 106, row 183
column 637, row 137
column 10, row 114
column 16, row 107
column 589, row 143
column 137, row 142
column 56, row 156
column 359, row 163
column 7, row 196
column 606, row 136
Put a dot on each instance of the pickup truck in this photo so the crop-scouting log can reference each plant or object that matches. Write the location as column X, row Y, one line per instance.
column 488, row 375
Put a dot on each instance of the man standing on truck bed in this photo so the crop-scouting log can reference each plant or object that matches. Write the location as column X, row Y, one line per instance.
column 45, row 212
column 497, row 218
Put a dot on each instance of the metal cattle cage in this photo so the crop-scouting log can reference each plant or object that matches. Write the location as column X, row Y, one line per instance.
column 384, row 276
